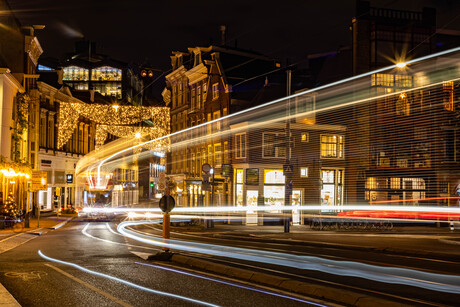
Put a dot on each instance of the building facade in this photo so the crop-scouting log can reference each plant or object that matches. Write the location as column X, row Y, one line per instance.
column 200, row 90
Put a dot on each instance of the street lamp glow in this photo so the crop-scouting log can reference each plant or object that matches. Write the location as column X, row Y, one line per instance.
column 138, row 135
column 115, row 107
column 401, row 64
column 211, row 171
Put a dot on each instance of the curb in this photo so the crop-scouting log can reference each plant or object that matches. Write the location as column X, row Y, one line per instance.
column 6, row 299
column 322, row 292
column 57, row 226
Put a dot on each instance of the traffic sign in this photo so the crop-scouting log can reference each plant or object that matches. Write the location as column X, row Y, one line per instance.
column 167, row 203
column 206, row 168
column 288, row 169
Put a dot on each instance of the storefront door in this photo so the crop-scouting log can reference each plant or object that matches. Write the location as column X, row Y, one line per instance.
column 331, row 191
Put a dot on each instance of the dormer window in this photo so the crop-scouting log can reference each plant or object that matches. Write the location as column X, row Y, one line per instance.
column 197, row 58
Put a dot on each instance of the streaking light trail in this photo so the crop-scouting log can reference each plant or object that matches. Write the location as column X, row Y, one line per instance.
column 280, row 208
column 230, row 283
column 125, row 282
column 392, row 275
column 327, row 86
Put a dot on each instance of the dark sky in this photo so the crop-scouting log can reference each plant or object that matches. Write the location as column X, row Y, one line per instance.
column 133, row 30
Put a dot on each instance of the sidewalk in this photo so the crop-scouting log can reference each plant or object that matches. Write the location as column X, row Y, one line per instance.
column 45, row 222
column 10, row 239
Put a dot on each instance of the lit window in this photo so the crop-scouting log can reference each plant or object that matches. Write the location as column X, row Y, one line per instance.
column 75, row 73
column 332, row 146
column 106, row 73
column 402, row 105
column 304, row 172
column 215, row 91
column 217, row 155
column 448, row 95
column 304, row 137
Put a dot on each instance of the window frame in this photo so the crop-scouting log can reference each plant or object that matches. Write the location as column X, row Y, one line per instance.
column 277, row 136
column 215, row 91
column 337, row 150
column 239, row 149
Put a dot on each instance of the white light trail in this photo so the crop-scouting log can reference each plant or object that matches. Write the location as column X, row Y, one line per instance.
column 125, row 282
column 276, row 208
column 343, row 81
column 392, row 275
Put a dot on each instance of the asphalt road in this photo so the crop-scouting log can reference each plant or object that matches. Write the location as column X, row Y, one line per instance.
column 404, row 293
column 35, row 281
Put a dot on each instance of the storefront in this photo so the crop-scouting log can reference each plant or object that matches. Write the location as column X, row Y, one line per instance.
column 274, row 187
column 195, row 193
column 331, row 188
column 14, row 191
column 407, row 191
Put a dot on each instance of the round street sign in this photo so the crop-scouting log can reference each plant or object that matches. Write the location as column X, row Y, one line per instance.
column 206, row 167
column 167, row 203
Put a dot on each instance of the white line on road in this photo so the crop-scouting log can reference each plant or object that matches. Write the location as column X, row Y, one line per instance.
column 128, row 283
column 107, row 295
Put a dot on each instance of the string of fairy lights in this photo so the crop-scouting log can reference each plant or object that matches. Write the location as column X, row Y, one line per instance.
column 116, row 120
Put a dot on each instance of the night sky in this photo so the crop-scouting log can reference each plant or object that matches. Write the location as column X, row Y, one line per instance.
column 136, row 30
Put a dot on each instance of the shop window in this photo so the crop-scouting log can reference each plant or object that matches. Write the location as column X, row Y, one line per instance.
column 273, row 145
column 304, row 172
column 239, row 186
column 332, row 146
column 240, row 146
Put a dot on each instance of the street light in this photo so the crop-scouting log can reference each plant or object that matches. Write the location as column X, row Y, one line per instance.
column 401, row 64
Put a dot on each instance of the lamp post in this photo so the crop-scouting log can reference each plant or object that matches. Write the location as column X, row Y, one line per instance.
column 288, row 174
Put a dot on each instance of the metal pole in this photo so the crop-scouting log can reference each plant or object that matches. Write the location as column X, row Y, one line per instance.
column 288, row 176
column 211, row 222
column 166, row 230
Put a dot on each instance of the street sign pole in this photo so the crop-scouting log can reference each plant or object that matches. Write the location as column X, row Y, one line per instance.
column 167, row 203
column 288, row 175
column 166, row 230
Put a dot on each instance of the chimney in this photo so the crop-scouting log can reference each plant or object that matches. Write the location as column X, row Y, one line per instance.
column 223, row 35
column 91, row 95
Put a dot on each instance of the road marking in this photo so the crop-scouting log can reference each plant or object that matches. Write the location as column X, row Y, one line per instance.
column 26, row 276
column 107, row 295
column 11, row 237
